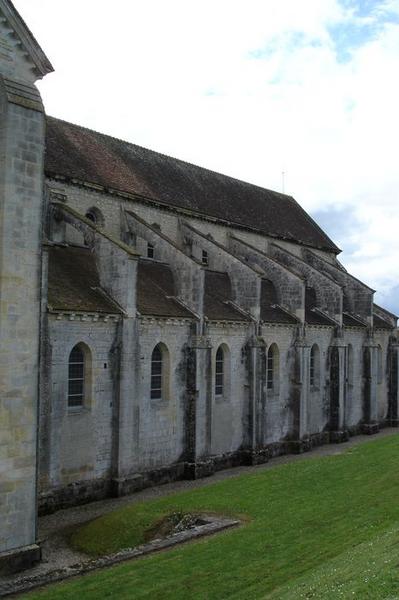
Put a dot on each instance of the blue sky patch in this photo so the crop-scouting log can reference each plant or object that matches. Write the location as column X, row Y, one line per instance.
column 367, row 21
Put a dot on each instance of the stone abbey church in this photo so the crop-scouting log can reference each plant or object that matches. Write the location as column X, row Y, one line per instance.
column 158, row 320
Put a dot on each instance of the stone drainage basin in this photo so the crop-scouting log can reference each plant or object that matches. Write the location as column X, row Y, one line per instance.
column 173, row 529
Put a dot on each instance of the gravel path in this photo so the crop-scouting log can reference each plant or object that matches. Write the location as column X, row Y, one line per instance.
column 57, row 554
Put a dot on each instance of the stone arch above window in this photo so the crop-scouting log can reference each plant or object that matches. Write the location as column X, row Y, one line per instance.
column 95, row 215
column 273, row 368
column 314, row 367
column 160, row 369
column 79, row 376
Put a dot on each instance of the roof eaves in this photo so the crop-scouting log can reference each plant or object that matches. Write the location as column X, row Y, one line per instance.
column 334, row 248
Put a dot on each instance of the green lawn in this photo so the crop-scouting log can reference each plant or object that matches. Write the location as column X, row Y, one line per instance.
column 319, row 528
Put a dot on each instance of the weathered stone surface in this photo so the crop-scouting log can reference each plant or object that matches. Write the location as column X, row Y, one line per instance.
column 14, row 561
column 307, row 358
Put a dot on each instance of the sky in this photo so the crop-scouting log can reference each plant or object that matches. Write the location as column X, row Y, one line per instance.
column 253, row 89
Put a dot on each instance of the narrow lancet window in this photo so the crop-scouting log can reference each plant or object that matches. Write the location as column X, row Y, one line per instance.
column 314, row 366
column 76, row 377
column 219, row 372
column 156, row 374
column 272, row 367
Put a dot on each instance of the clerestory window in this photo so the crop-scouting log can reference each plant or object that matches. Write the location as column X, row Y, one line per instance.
column 76, row 377
column 219, row 372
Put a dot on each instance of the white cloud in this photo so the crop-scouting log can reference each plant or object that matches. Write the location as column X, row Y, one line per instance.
column 247, row 88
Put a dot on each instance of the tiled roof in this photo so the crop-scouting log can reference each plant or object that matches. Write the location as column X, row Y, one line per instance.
column 73, row 282
column 217, row 297
column 87, row 156
column 269, row 311
column 156, row 291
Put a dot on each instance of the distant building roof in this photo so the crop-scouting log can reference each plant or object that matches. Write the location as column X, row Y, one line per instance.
column 74, row 284
column 156, row 291
column 87, row 156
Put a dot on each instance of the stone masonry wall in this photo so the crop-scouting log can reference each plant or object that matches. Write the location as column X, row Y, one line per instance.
column 229, row 411
column 158, row 432
column 82, row 199
column 79, row 441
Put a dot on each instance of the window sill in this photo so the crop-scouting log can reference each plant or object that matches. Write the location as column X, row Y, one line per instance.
column 158, row 402
column 221, row 399
column 77, row 410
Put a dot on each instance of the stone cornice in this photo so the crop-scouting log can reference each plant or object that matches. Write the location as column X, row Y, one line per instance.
column 28, row 41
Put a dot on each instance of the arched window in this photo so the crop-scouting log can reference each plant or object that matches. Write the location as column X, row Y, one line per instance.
column 160, row 373
column 78, row 376
column 219, row 372
column 314, row 366
column 156, row 373
column 95, row 215
column 272, row 368
column 350, row 365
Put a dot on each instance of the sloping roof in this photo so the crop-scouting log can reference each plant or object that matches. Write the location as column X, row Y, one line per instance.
column 217, row 296
column 155, row 291
column 380, row 323
column 312, row 315
column 387, row 313
column 269, row 311
column 87, row 156
column 351, row 321
column 74, row 284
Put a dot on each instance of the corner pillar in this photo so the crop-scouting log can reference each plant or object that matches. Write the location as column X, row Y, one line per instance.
column 22, row 135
